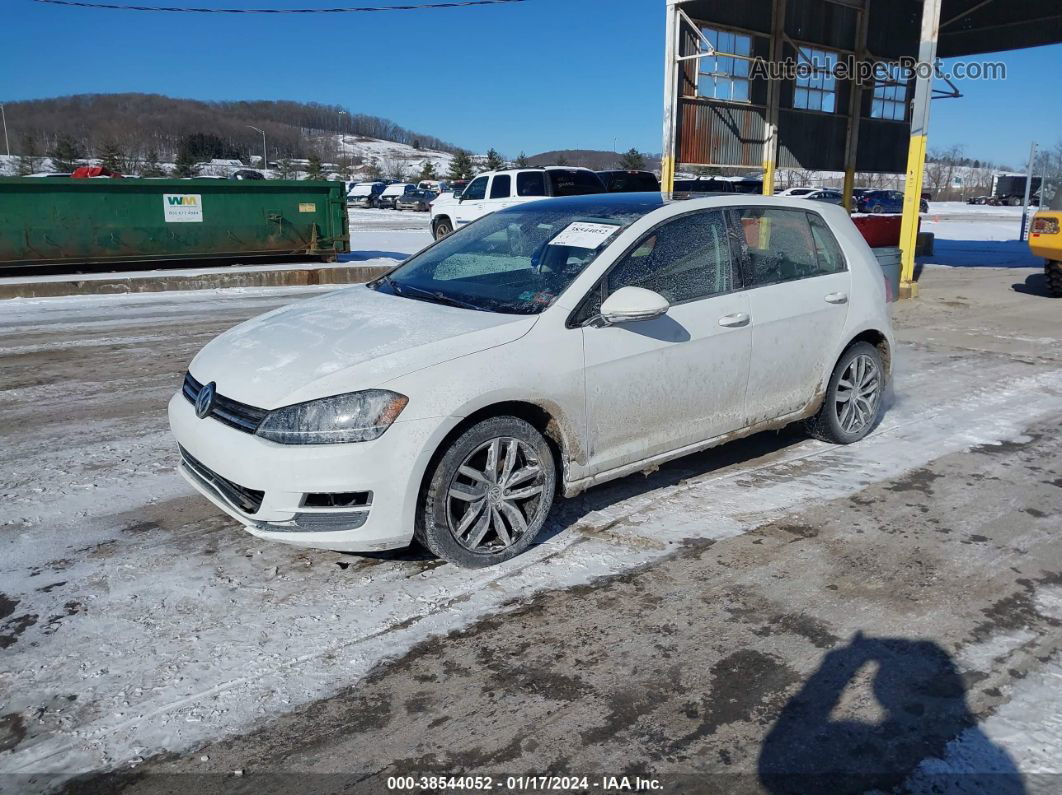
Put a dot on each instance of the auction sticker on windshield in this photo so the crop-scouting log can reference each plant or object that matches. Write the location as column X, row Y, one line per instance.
column 584, row 235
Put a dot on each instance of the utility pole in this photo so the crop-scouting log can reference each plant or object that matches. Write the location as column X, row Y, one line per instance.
column 1028, row 190
column 7, row 143
column 265, row 158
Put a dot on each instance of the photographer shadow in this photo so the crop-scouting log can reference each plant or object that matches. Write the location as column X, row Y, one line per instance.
column 922, row 700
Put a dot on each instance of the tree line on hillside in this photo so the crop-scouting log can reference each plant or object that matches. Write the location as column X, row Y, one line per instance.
column 146, row 128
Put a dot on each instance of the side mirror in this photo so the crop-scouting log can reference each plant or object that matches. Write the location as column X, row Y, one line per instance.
column 459, row 195
column 629, row 304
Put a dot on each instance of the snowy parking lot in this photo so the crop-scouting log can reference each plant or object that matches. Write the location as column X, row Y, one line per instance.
column 678, row 623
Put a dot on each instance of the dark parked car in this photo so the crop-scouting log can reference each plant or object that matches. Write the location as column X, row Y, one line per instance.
column 618, row 181
column 246, row 173
column 703, row 185
column 885, row 201
column 828, row 196
column 419, row 200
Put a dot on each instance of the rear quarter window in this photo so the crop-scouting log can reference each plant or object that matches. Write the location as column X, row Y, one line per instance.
column 576, row 182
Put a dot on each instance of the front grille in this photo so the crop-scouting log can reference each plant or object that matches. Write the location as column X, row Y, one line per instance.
column 230, row 412
column 247, row 500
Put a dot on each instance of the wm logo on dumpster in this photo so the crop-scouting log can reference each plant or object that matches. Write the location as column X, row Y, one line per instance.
column 182, row 207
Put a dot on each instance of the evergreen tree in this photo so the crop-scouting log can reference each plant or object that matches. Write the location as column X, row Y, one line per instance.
column 65, row 153
column 493, row 161
column 416, row 143
column 522, row 161
column 284, row 169
column 185, row 164
column 110, row 155
column 632, row 160
column 29, row 160
column 427, row 170
column 151, row 166
column 314, row 168
column 461, row 167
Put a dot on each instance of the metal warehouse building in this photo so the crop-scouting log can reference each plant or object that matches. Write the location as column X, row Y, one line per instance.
column 727, row 102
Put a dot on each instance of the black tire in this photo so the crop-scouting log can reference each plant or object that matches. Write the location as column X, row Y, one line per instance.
column 826, row 425
column 435, row 518
column 1014, row 201
column 1053, row 270
column 443, row 227
column 877, row 208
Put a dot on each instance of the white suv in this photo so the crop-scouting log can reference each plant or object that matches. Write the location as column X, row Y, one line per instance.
column 496, row 190
column 540, row 351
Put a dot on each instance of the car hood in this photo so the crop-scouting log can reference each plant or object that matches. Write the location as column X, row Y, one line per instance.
column 356, row 338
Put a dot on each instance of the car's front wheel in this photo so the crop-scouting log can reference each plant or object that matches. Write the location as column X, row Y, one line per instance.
column 853, row 401
column 489, row 494
column 443, row 227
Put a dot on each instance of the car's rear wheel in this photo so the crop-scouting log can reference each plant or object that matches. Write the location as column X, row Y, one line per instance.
column 853, row 401
column 877, row 208
column 1053, row 270
column 443, row 227
column 489, row 494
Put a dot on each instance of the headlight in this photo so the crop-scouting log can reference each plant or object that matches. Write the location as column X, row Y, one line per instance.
column 356, row 417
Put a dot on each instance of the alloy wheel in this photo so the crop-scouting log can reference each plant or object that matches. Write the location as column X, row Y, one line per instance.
column 495, row 495
column 858, row 394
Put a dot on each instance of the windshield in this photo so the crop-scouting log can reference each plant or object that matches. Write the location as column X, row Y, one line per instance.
column 516, row 261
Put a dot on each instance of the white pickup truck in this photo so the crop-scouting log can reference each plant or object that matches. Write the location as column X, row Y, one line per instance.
column 495, row 190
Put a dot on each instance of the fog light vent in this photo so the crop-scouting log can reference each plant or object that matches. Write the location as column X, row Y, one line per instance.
column 339, row 499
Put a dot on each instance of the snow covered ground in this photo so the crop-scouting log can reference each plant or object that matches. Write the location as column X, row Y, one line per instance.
column 137, row 619
column 977, row 236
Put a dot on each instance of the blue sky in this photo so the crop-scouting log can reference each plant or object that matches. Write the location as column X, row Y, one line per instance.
column 532, row 76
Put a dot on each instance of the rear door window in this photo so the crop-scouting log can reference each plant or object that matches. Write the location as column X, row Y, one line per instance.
column 531, row 183
column 500, row 186
column 780, row 245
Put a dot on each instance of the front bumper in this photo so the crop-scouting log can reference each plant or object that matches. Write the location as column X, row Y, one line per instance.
column 236, row 471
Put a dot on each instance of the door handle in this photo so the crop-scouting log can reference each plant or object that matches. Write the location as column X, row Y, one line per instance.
column 837, row 298
column 736, row 320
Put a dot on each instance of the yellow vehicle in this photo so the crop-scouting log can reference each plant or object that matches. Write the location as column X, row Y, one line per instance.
column 1045, row 237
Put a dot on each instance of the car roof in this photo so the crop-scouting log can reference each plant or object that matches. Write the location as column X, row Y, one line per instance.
column 533, row 168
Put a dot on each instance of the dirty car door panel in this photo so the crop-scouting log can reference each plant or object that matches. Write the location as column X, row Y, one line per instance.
column 799, row 286
column 661, row 384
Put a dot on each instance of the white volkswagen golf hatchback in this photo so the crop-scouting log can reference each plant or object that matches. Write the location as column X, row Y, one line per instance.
column 534, row 353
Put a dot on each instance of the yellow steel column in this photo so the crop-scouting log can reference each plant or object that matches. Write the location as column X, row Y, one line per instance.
column 916, row 152
column 774, row 98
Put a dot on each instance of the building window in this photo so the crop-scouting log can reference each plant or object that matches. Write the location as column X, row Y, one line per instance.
column 816, row 86
column 725, row 75
column 890, row 92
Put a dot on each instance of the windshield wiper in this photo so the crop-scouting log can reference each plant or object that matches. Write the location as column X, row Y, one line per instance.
column 442, row 298
column 391, row 283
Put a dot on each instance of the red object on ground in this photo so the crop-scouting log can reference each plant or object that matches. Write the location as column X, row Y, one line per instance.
column 880, row 231
column 84, row 172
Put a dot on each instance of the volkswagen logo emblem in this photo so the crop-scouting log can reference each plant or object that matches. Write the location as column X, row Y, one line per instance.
column 204, row 402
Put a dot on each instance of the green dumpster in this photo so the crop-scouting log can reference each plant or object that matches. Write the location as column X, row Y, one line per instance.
column 100, row 221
